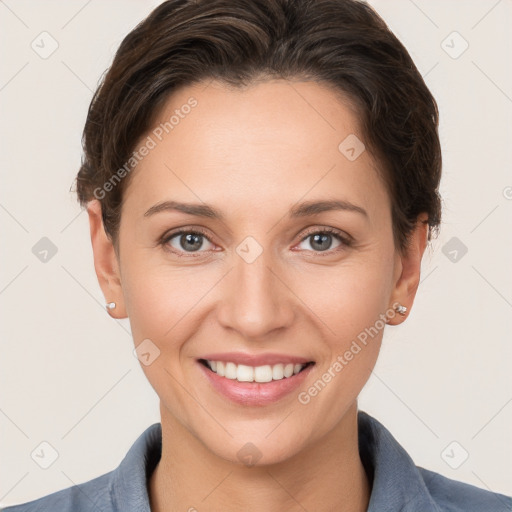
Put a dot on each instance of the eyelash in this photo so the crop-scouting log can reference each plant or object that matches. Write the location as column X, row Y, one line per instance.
column 346, row 241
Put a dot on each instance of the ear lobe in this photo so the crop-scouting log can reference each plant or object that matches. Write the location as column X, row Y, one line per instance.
column 408, row 280
column 105, row 261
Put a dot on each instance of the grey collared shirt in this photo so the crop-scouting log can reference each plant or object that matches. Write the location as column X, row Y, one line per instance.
column 398, row 485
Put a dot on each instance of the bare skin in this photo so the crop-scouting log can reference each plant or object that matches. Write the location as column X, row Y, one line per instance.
column 254, row 154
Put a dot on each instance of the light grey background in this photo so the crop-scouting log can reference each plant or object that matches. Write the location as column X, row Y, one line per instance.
column 67, row 372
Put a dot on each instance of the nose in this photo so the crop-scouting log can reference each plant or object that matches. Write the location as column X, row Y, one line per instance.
column 256, row 300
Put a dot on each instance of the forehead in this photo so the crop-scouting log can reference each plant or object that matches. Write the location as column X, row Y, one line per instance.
column 272, row 141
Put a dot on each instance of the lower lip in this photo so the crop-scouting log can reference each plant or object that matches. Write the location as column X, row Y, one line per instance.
column 255, row 393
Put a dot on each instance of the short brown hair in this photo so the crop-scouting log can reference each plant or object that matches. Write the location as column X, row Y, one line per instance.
column 343, row 43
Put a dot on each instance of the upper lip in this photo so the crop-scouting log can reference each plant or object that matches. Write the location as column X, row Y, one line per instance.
column 256, row 359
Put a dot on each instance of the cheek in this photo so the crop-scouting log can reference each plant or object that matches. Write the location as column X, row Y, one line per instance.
column 349, row 309
column 161, row 304
column 351, row 296
column 158, row 300
column 158, row 295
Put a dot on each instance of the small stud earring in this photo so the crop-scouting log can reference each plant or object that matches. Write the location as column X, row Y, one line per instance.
column 401, row 310
column 110, row 305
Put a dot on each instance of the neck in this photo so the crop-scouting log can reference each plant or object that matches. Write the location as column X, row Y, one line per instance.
column 325, row 476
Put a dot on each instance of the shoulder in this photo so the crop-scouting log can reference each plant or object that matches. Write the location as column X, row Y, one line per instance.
column 91, row 496
column 398, row 484
column 455, row 496
column 123, row 489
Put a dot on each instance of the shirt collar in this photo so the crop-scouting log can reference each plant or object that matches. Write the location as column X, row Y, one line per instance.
column 396, row 484
column 129, row 489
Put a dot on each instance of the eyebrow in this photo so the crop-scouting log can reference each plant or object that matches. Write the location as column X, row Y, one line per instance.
column 199, row 210
column 301, row 210
column 314, row 207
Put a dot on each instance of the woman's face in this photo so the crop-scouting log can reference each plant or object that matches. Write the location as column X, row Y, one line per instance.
column 260, row 284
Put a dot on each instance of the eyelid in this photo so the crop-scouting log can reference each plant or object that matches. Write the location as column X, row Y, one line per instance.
column 184, row 229
column 344, row 237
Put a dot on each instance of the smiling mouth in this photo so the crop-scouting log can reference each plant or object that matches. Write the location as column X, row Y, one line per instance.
column 257, row 374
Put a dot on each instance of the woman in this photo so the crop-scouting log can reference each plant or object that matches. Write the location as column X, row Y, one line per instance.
column 261, row 179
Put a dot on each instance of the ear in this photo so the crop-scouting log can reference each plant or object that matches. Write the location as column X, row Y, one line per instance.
column 106, row 263
column 407, row 275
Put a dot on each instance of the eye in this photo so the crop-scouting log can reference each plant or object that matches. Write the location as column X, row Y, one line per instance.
column 322, row 240
column 190, row 241
column 186, row 241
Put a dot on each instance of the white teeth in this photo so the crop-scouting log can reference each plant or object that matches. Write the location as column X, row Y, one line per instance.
column 230, row 371
column 263, row 373
column 244, row 373
column 288, row 370
column 277, row 372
